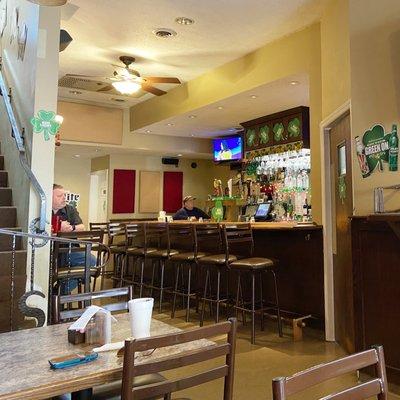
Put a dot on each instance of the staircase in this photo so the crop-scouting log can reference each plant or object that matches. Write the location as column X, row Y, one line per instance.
column 8, row 219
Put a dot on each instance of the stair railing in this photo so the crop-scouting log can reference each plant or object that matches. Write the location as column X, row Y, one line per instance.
column 36, row 240
column 39, row 224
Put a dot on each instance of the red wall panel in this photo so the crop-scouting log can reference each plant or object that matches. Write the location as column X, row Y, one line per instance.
column 172, row 191
column 124, row 191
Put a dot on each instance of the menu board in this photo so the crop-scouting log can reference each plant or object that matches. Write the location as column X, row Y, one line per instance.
column 276, row 133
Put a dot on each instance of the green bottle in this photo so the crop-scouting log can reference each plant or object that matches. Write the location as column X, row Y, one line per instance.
column 393, row 149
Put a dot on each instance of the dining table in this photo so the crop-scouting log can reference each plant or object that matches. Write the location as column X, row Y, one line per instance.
column 25, row 371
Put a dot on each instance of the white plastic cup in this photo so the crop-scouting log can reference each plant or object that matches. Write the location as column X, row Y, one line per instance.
column 140, row 311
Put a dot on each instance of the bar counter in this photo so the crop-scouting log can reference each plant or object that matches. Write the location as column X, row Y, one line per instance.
column 299, row 249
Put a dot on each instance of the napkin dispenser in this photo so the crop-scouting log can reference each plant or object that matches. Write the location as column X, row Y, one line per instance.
column 76, row 337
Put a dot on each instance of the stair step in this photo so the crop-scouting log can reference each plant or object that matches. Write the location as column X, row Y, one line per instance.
column 6, row 241
column 3, row 179
column 8, row 217
column 5, row 196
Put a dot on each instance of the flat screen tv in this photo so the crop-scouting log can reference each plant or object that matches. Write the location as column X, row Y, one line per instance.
column 228, row 149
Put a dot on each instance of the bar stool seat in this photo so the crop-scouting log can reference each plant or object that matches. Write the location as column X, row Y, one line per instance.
column 218, row 259
column 187, row 256
column 252, row 263
column 139, row 251
column 163, row 253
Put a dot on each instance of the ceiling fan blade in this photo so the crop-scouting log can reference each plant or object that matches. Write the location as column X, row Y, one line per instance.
column 153, row 90
column 49, row 2
column 92, row 77
column 162, row 79
column 105, row 88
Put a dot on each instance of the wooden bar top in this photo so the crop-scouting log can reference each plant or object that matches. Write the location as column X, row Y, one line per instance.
column 25, row 372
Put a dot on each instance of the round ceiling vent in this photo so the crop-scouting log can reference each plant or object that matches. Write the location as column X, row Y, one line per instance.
column 164, row 33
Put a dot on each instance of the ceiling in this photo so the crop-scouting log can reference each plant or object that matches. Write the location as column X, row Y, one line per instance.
column 224, row 30
column 224, row 117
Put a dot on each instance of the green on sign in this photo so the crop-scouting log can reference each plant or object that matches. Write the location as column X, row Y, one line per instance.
column 377, row 149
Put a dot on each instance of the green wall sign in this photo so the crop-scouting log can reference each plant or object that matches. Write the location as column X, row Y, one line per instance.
column 377, row 150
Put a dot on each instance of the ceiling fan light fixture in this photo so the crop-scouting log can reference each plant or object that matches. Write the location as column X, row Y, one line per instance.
column 184, row 21
column 126, row 87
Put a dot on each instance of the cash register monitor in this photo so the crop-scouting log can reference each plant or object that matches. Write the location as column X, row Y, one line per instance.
column 262, row 211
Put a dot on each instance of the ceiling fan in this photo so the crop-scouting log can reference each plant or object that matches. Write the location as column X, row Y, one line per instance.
column 128, row 81
column 49, row 2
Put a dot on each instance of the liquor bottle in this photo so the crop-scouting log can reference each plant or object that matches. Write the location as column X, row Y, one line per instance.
column 393, row 149
column 362, row 158
column 305, row 208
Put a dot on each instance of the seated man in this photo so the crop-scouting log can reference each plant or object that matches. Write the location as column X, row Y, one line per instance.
column 188, row 210
column 70, row 222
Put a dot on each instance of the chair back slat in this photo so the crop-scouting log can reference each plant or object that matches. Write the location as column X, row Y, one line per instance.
column 178, row 360
column 170, row 386
column 135, row 234
column 238, row 239
column 60, row 315
column 181, row 236
column 287, row 386
column 359, row 392
column 208, row 237
column 156, row 235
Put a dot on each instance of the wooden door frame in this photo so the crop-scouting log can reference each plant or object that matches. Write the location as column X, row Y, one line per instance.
column 325, row 128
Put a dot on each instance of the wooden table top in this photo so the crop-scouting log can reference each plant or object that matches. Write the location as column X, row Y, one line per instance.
column 25, row 372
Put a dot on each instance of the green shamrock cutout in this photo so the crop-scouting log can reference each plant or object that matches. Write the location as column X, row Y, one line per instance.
column 376, row 146
column 218, row 211
column 264, row 134
column 251, row 137
column 252, row 168
column 45, row 122
column 278, row 131
column 294, row 127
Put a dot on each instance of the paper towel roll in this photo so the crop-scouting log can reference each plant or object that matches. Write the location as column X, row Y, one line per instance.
column 140, row 311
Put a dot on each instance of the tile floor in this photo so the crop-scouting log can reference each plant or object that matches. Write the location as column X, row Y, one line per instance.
column 272, row 356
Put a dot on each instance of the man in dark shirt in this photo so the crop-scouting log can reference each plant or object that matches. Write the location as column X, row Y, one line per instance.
column 188, row 210
column 70, row 221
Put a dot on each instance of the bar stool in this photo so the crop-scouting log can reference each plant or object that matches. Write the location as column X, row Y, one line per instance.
column 182, row 238
column 117, row 245
column 157, row 235
column 239, row 237
column 137, row 248
column 208, row 237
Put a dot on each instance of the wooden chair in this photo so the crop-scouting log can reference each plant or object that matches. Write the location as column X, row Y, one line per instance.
column 287, row 386
column 59, row 315
column 63, row 269
column 168, row 386
column 117, row 245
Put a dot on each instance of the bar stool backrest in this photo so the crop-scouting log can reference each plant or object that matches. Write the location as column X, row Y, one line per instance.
column 238, row 239
column 181, row 236
column 287, row 386
column 94, row 226
column 222, row 366
column 115, row 232
column 156, row 235
column 208, row 238
column 135, row 234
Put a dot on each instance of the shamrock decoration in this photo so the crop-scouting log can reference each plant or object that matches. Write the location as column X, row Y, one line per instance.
column 376, row 146
column 342, row 188
column 264, row 134
column 278, row 131
column 45, row 122
column 251, row 137
column 252, row 168
column 218, row 211
column 294, row 127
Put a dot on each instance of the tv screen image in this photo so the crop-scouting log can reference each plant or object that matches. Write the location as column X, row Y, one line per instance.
column 228, row 148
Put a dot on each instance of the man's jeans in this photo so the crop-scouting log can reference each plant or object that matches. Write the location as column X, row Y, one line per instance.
column 75, row 259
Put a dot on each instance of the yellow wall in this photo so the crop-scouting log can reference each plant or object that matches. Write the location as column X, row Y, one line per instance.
column 100, row 163
column 293, row 54
column 335, row 56
column 74, row 174
column 375, row 84
column 88, row 123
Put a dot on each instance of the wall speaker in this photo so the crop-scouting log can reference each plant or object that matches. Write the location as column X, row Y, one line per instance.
column 193, row 165
column 170, row 161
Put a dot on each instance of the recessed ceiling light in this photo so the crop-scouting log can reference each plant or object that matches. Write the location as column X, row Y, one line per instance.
column 220, row 108
column 184, row 21
column 294, row 83
column 179, row 155
column 148, row 131
column 192, row 134
column 170, row 124
column 192, row 116
column 164, row 33
column 97, row 150
column 253, row 96
column 75, row 92
column 77, row 155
